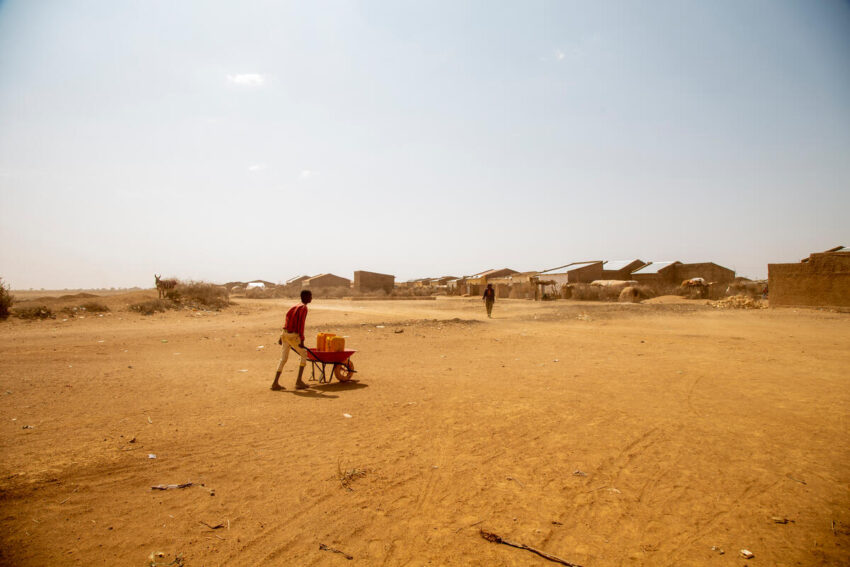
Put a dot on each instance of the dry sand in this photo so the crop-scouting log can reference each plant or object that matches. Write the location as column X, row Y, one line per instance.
column 605, row 434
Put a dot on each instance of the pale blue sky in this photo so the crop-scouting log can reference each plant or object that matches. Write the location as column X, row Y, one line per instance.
column 238, row 140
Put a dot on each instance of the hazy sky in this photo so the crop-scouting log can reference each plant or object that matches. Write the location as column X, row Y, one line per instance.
column 239, row 140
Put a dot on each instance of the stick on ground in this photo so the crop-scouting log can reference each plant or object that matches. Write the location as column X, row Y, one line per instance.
column 498, row 539
column 324, row 547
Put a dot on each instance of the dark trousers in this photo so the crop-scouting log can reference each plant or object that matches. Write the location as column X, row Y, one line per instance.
column 488, row 303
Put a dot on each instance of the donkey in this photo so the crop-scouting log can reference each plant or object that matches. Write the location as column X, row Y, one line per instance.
column 163, row 286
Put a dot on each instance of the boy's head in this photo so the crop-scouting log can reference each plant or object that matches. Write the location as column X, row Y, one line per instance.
column 306, row 296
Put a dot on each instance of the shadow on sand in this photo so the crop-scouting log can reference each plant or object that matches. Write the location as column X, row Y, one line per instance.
column 340, row 386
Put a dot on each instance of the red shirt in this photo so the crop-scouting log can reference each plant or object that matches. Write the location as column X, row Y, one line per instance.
column 295, row 319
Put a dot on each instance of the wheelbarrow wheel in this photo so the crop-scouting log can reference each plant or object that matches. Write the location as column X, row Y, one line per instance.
column 344, row 371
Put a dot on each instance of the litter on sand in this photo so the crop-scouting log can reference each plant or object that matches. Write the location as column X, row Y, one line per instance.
column 348, row 415
column 172, row 486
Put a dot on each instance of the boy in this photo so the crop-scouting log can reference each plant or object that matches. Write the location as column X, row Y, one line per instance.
column 293, row 337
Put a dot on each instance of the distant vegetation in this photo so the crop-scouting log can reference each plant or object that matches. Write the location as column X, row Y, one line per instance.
column 36, row 312
column 153, row 306
column 187, row 295
column 6, row 300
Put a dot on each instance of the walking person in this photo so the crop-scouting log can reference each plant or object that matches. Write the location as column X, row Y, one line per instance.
column 489, row 299
column 293, row 337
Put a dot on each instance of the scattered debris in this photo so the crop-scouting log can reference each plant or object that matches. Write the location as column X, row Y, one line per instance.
column 398, row 331
column 579, row 473
column 153, row 560
column 149, row 419
column 498, row 539
column 717, row 549
column 780, row 520
column 556, row 523
column 151, row 456
column 324, row 547
column 243, row 370
column 173, row 486
column 747, row 554
column 379, row 326
column 133, row 440
column 69, row 496
column 28, row 427
column 738, row 302
column 163, row 341
column 795, row 479
column 348, row 415
column 516, row 481
column 261, row 347
column 215, row 527
column 348, row 476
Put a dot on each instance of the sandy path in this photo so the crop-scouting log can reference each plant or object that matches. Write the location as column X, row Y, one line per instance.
column 693, row 427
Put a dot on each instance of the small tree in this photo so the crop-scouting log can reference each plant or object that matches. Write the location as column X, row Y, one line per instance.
column 6, row 300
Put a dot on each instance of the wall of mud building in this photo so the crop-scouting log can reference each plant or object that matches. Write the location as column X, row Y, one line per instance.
column 709, row 271
column 365, row 282
column 823, row 281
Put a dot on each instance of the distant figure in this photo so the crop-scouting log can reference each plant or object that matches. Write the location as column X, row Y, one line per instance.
column 489, row 299
column 293, row 337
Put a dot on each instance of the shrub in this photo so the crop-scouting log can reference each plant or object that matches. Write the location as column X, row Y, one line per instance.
column 152, row 306
column 200, row 295
column 94, row 307
column 37, row 312
column 584, row 292
column 6, row 300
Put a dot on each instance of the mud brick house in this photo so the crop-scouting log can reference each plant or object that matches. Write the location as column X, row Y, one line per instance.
column 476, row 283
column 575, row 272
column 657, row 274
column 662, row 275
column 325, row 281
column 365, row 282
column 821, row 280
column 620, row 269
column 709, row 271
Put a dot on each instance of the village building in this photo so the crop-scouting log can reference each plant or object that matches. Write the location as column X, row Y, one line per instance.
column 657, row 274
column 325, row 281
column 709, row 271
column 365, row 282
column 476, row 283
column 521, row 285
column 620, row 269
column 664, row 275
column 574, row 272
column 296, row 281
column 822, row 280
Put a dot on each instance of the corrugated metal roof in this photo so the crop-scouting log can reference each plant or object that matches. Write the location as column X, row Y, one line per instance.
column 653, row 267
column 569, row 267
column 615, row 265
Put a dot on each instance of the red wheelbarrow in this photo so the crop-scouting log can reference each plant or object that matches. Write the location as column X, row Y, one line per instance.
column 340, row 361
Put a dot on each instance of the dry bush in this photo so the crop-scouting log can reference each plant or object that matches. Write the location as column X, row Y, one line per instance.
column 6, row 300
column 584, row 292
column 199, row 295
column 36, row 312
column 94, row 307
column 331, row 292
column 259, row 293
column 152, row 306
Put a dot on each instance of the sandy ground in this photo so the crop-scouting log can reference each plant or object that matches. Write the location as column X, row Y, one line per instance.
column 604, row 434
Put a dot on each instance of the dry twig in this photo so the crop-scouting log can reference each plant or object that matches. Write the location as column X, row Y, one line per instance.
column 324, row 547
column 498, row 539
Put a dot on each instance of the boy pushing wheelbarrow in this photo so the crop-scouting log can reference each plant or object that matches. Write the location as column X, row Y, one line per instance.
column 293, row 337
